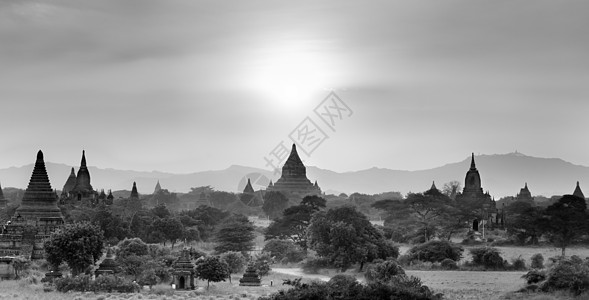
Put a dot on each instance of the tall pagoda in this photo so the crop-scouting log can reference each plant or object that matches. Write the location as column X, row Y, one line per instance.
column 134, row 193
column 472, row 194
column 294, row 183
column 83, row 189
column 35, row 219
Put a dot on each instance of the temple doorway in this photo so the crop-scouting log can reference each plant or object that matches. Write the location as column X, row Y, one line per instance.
column 475, row 225
column 182, row 283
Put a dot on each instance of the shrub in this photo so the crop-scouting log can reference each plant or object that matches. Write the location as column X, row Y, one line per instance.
column 571, row 274
column 537, row 261
column 313, row 265
column 134, row 246
column 488, row 257
column 384, row 271
column 519, row 264
column 436, row 251
column 104, row 283
column 534, row 276
column 448, row 264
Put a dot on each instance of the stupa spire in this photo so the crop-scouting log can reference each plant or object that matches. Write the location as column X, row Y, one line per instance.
column 248, row 187
column 83, row 163
column 83, row 188
column 433, row 186
column 134, row 193
column 578, row 191
column 472, row 164
column 39, row 199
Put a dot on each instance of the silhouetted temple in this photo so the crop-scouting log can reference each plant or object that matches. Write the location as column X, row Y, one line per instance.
column 525, row 195
column 158, row 187
column 35, row 219
column 473, row 192
column 294, row 183
column 83, row 189
column 578, row 192
column 3, row 201
column 134, row 193
column 69, row 184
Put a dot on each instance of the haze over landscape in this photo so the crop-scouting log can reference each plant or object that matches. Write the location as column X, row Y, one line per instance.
column 183, row 87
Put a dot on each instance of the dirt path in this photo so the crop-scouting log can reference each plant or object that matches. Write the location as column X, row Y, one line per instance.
column 299, row 272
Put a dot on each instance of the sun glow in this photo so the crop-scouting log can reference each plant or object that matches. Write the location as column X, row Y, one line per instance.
column 290, row 76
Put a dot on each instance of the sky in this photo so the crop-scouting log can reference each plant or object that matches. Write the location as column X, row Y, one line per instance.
column 186, row 86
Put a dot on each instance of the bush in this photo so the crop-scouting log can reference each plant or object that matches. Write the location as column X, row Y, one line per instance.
column 488, row 257
column 313, row 265
column 384, row 271
column 104, row 283
column 134, row 246
column 570, row 274
column 436, row 251
column 344, row 287
column 448, row 264
column 537, row 261
column 534, row 276
column 519, row 264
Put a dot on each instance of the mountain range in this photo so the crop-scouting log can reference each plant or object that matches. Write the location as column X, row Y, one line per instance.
column 501, row 175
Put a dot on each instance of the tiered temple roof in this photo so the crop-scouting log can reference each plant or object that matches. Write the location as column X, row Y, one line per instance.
column 108, row 265
column 524, row 194
column 578, row 192
column 39, row 200
column 248, row 187
column 70, row 183
column 83, row 187
column 294, row 182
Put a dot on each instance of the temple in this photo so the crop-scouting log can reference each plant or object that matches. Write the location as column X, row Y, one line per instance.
column 134, row 193
column 473, row 192
column 83, row 189
column 3, row 201
column 525, row 195
column 35, row 219
column 249, row 196
column 578, row 192
column 69, row 184
column 294, row 183
column 158, row 187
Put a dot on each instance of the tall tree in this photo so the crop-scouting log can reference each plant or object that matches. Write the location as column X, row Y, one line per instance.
column 213, row 269
column 345, row 236
column 522, row 222
column 565, row 221
column 295, row 220
column 79, row 245
column 236, row 234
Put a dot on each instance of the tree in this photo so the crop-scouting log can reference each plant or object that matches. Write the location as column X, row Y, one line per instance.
column 134, row 246
column 315, row 202
column 212, row 269
column 234, row 260
column 424, row 209
column 172, row 229
column 19, row 264
column 522, row 222
column 565, row 221
column 294, row 222
column 345, row 236
column 274, row 204
column 236, row 234
column 451, row 188
column 112, row 225
column 79, row 245
column 161, row 211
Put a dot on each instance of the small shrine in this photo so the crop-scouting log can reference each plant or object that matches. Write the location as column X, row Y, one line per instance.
column 251, row 277
column 183, row 272
column 108, row 265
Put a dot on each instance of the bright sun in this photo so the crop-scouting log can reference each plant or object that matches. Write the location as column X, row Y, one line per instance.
column 289, row 77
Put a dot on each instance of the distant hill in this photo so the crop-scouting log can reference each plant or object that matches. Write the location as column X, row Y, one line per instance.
column 502, row 175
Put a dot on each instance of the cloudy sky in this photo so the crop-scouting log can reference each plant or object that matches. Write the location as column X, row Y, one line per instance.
column 183, row 86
